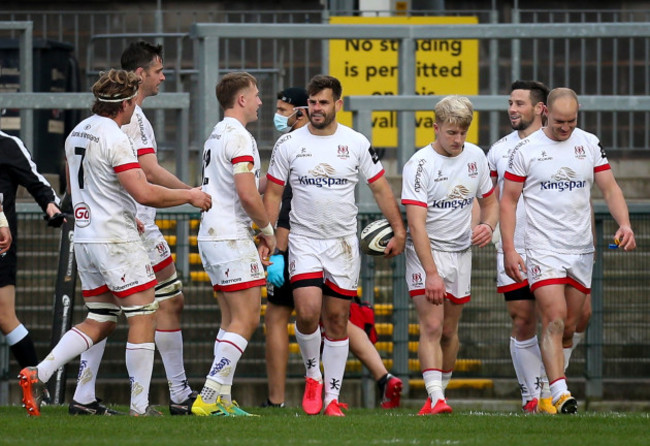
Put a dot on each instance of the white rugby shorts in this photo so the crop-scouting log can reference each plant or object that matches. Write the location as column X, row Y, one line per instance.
column 232, row 265
column 337, row 261
column 121, row 268
column 545, row 268
column 504, row 282
column 455, row 269
column 157, row 247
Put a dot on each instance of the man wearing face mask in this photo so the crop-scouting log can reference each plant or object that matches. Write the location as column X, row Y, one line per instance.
column 291, row 114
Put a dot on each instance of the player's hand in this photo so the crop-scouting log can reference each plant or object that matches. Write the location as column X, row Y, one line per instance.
column 395, row 245
column 625, row 237
column 54, row 218
column 5, row 239
column 139, row 225
column 481, row 235
column 266, row 247
column 514, row 265
column 434, row 289
column 200, row 199
column 275, row 271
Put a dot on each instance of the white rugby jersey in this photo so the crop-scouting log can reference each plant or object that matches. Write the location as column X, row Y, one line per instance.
column 557, row 177
column 498, row 157
column 96, row 150
column 446, row 186
column 228, row 144
column 141, row 133
column 323, row 172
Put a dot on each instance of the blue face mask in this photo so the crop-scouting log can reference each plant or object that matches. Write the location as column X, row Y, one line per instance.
column 281, row 123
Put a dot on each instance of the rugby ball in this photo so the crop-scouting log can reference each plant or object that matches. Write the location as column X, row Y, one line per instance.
column 375, row 237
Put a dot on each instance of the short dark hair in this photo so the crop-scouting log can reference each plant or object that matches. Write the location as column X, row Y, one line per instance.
column 321, row 82
column 538, row 91
column 230, row 85
column 140, row 54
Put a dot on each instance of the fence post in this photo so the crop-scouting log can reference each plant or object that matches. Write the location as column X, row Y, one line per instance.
column 594, row 347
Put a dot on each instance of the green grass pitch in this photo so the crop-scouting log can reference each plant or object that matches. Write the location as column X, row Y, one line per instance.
column 290, row 426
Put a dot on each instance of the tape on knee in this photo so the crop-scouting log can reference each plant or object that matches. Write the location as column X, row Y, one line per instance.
column 171, row 287
column 140, row 310
column 103, row 311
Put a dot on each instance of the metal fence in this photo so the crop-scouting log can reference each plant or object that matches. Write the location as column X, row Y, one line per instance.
column 608, row 65
column 616, row 346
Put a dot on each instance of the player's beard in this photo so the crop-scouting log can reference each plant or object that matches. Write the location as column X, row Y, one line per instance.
column 523, row 124
column 327, row 120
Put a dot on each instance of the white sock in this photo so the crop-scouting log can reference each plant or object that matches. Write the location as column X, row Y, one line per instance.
column 527, row 360
column 433, row 384
column 16, row 335
column 446, row 377
column 139, row 364
column 230, row 349
column 310, row 351
column 335, row 356
column 170, row 346
column 577, row 338
column 558, row 387
column 72, row 343
column 220, row 335
column 89, row 362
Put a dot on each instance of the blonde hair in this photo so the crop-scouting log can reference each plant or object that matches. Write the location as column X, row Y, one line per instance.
column 456, row 110
column 113, row 88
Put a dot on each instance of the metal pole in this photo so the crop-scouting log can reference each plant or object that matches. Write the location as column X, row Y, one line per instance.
column 594, row 347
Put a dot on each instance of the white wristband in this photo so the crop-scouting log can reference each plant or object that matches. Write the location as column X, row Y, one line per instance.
column 3, row 220
column 268, row 230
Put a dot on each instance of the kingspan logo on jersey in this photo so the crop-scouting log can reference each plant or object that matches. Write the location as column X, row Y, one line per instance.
column 322, row 176
column 457, row 198
column 563, row 180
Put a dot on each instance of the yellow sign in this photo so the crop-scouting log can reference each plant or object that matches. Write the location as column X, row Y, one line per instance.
column 370, row 67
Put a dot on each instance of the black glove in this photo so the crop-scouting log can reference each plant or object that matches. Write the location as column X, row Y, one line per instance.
column 55, row 221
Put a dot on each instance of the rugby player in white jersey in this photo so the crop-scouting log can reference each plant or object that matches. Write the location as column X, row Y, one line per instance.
column 105, row 180
column 231, row 170
column 322, row 161
column 554, row 169
column 439, row 185
column 146, row 60
column 527, row 111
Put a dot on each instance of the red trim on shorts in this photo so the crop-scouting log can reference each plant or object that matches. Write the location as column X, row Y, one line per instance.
column 168, row 261
column 458, row 300
column 556, row 380
column 602, row 168
column 146, row 151
column 136, row 289
column 414, row 202
column 488, row 193
column 307, row 276
column 340, row 290
column 233, row 344
column 513, row 177
column 376, row 177
column 125, row 167
column 494, row 173
column 168, row 331
column 239, row 286
column 82, row 335
column 449, row 297
column 275, row 180
column 243, row 159
column 561, row 281
column 95, row 292
column 512, row 286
